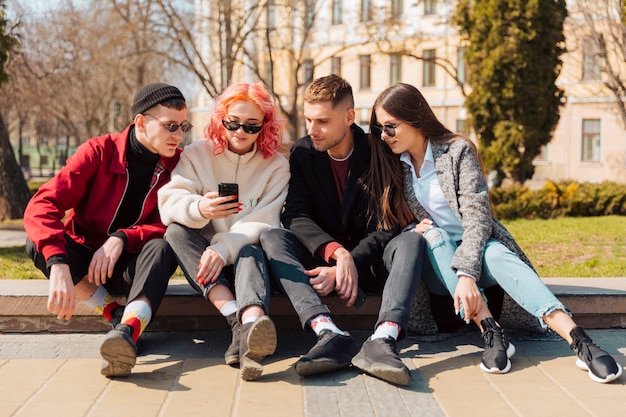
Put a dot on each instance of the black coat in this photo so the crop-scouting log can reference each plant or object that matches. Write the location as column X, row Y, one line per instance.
column 312, row 209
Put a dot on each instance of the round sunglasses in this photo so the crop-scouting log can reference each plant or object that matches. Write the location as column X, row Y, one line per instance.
column 248, row 128
column 388, row 129
column 173, row 127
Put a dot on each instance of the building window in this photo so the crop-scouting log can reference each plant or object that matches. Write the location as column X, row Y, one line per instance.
column 395, row 69
column 430, row 7
column 544, row 155
column 271, row 14
column 396, row 8
column 43, row 160
column 428, row 74
column 337, row 12
column 461, row 127
column 461, row 68
column 366, row 10
column 335, row 65
column 307, row 71
column 591, row 140
column 592, row 69
column 365, row 71
column 25, row 140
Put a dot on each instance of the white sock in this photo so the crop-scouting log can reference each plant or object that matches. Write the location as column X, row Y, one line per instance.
column 229, row 308
column 387, row 329
column 323, row 321
column 99, row 300
column 137, row 314
column 250, row 319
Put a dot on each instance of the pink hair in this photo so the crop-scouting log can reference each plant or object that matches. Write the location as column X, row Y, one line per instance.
column 271, row 135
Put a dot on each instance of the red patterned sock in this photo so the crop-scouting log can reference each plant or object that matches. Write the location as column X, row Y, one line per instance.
column 108, row 310
column 136, row 325
column 137, row 314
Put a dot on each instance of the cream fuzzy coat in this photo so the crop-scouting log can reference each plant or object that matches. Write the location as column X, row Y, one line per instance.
column 262, row 190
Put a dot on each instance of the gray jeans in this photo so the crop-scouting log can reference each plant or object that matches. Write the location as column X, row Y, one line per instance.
column 252, row 284
column 398, row 273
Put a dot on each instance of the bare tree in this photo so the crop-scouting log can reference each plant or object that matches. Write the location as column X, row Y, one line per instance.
column 239, row 39
column 605, row 26
column 387, row 31
column 14, row 193
column 212, row 48
column 287, row 51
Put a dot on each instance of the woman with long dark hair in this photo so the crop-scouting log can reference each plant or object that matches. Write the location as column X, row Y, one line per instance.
column 423, row 172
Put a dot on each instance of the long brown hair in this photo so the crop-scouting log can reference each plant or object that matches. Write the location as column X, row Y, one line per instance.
column 385, row 180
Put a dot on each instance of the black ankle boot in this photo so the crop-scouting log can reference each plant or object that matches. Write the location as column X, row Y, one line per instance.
column 231, row 356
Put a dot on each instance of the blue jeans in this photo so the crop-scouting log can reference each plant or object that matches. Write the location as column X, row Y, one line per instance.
column 252, row 283
column 398, row 274
column 500, row 267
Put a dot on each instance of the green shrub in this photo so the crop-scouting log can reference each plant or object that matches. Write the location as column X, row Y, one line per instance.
column 555, row 199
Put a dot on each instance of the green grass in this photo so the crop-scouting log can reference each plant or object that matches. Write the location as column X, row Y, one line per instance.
column 574, row 246
column 15, row 264
column 563, row 247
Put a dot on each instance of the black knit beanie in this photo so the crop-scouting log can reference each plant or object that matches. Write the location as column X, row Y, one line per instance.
column 153, row 94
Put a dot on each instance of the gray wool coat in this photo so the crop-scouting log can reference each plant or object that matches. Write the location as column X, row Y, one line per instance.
column 465, row 188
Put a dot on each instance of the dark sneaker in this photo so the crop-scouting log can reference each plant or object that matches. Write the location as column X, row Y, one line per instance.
column 116, row 316
column 332, row 351
column 601, row 366
column 231, row 356
column 257, row 340
column 379, row 358
column 118, row 351
column 498, row 350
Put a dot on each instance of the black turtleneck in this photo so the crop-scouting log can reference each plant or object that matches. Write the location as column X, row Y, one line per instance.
column 140, row 164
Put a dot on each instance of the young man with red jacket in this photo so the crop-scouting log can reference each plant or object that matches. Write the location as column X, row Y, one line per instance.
column 94, row 229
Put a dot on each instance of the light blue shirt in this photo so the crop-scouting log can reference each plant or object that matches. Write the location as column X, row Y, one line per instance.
column 429, row 194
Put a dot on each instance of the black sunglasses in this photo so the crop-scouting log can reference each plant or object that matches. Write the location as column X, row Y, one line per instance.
column 173, row 127
column 248, row 128
column 388, row 129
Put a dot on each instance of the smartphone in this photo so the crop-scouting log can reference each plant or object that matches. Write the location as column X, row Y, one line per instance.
column 360, row 299
column 228, row 188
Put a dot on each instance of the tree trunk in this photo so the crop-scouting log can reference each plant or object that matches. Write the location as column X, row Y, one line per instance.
column 14, row 193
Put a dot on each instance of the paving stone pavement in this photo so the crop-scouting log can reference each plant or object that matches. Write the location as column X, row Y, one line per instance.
column 183, row 374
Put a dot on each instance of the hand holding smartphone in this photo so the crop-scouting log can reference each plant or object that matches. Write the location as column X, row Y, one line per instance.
column 228, row 188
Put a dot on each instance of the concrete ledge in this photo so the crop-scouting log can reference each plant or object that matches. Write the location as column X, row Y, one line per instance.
column 23, row 308
column 597, row 303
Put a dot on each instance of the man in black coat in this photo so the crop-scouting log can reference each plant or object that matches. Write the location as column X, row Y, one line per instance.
column 331, row 243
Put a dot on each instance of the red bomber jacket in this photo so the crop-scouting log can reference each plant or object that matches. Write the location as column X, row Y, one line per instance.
column 83, row 198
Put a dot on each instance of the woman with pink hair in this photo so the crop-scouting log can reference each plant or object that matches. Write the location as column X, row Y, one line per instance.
column 224, row 192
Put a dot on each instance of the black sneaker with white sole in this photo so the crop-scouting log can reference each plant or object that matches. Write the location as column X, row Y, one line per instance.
column 332, row 352
column 600, row 365
column 379, row 358
column 498, row 350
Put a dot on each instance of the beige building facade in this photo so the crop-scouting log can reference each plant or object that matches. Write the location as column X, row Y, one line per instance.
column 375, row 43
